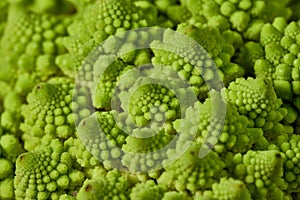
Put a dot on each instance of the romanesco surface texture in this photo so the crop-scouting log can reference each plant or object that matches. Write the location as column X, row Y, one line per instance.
column 149, row 99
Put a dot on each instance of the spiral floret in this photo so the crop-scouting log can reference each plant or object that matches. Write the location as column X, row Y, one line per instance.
column 110, row 186
column 103, row 138
column 233, row 135
column 257, row 100
column 243, row 16
column 191, row 173
column 97, row 22
column 281, row 61
column 289, row 147
column 30, row 45
column 47, row 173
column 204, row 65
column 261, row 171
column 50, row 110
column 228, row 189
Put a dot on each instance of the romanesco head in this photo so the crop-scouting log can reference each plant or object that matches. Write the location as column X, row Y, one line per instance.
column 191, row 173
column 46, row 173
column 261, row 171
column 110, row 186
column 280, row 63
column 30, row 44
column 228, row 189
column 244, row 16
column 49, row 109
column 148, row 190
column 256, row 99
column 99, row 21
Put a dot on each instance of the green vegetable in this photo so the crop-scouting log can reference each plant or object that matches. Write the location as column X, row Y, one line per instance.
column 29, row 46
column 149, row 99
column 244, row 16
column 192, row 174
column 228, row 188
column 261, row 171
column 112, row 186
column 47, row 173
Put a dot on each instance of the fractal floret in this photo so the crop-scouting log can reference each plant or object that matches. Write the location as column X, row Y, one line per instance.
column 256, row 99
column 279, row 61
column 227, row 189
column 95, row 24
column 10, row 148
column 262, row 172
column 47, row 173
column 111, row 186
column 244, row 16
column 29, row 46
column 289, row 147
column 51, row 111
column 191, row 173
column 199, row 72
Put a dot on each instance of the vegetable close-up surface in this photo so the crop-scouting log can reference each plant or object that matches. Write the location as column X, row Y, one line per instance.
column 149, row 99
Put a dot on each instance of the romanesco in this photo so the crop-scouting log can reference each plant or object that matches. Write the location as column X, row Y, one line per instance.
column 111, row 186
column 29, row 46
column 100, row 20
column 228, row 189
column 244, row 16
column 256, row 99
column 47, row 173
column 149, row 99
column 191, row 173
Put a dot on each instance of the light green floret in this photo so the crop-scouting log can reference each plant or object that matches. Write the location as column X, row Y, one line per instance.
column 261, row 171
column 29, row 46
column 190, row 173
column 227, row 189
column 95, row 24
column 66, row 197
column 289, row 148
column 178, row 13
column 11, row 116
column 244, row 16
column 281, row 61
column 153, row 103
column 103, row 68
column 257, row 100
column 7, row 169
column 235, row 135
column 215, row 57
column 47, row 173
column 144, row 151
column 173, row 195
column 10, row 147
column 149, row 112
column 81, row 154
column 7, row 189
column 7, row 172
column 50, row 110
column 107, row 83
column 162, row 5
column 110, row 186
column 103, row 138
column 148, row 190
